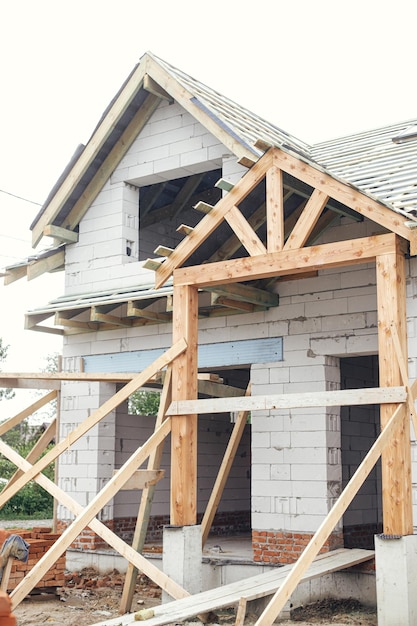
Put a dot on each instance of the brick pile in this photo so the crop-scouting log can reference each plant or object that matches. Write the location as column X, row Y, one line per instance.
column 40, row 539
column 6, row 616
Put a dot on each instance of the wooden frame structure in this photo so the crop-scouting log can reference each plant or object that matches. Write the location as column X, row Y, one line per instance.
column 283, row 254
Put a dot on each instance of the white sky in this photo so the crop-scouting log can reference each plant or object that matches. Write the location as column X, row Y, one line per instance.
column 316, row 68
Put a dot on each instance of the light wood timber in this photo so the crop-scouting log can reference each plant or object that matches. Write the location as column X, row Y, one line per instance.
column 142, row 520
column 274, row 209
column 141, row 479
column 184, row 229
column 163, row 251
column 404, row 375
column 252, row 588
column 396, row 460
column 247, row 236
column 336, row 189
column 151, row 264
column 245, row 293
column 6, row 575
column 224, row 471
column 238, row 305
column 286, row 262
column 109, row 377
column 107, row 318
column 306, row 222
column 134, row 311
column 32, row 408
column 89, row 512
column 183, row 509
column 241, row 612
column 48, row 264
column 39, row 448
column 224, row 184
column 19, row 383
column 150, row 85
column 343, row 397
column 154, row 573
column 62, row 234
column 293, row 578
column 139, row 381
column 203, row 207
column 210, row 221
column 90, row 151
column 198, row 111
column 15, row 273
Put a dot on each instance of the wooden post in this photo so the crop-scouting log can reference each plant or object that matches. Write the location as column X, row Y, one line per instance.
column 184, row 427
column 396, row 459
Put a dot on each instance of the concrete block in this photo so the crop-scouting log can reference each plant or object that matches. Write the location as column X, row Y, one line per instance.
column 396, row 580
column 182, row 557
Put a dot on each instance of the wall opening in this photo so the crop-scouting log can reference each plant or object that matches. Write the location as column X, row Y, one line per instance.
column 360, row 426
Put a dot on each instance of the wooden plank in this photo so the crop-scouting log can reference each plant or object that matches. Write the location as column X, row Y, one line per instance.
column 107, row 318
column 15, row 273
column 402, row 364
column 139, row 381
column 210, row 221
column 396, row 460
column 343, row 192
column 88, row 513
column 244, row 232
column 30, row 383
column 48, row 264
column 245, row 293
column 142, row 521
column 241, row 612
column 277, row 603
column 307, row 221
column 343, row 397
column 251, row 588
column 6, row 575
column 108, row 377
column 150, row 570
column 63, row 234
column 183, row 505
column 134, row 311
column 224, row 471
column 150, row 85
column 287, row 262
column 90, row 151
column 275, row 209
column 141, row 479
column 19, row 417
column 39, row 448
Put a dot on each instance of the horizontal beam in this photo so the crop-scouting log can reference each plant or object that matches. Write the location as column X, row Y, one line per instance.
column 287, row 262
column 141, row 479
column 347, row 397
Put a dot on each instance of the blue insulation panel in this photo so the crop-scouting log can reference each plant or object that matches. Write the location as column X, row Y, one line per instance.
column 226, row 354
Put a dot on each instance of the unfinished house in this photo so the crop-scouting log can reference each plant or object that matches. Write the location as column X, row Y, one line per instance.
column 267, row 289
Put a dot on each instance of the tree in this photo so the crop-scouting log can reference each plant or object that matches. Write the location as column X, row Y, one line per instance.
column 144, row 403
column 5, row 394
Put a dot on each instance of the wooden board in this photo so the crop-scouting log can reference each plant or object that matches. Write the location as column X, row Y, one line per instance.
column 250, row 588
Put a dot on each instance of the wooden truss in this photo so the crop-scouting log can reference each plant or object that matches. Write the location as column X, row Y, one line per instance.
column 284, row 253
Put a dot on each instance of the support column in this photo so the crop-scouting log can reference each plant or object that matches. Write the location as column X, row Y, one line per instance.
column 396, row 458
column 182, row 557
column 396, row 579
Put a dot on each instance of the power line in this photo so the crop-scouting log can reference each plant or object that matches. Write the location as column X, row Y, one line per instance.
column 8, row 193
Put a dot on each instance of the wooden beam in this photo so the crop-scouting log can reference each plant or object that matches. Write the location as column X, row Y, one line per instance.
column 307, row 221
column 340, row 191
column 142, row 479
column 108, row 377
column 94, row 418
column 314, row 546
column 86, row 517
column 396, row 460
column 107, row 318
column 343, row 397
column 150, row 85
column 210, row 221
column 150, row 570
column 286, row 262
column 63, row 234
column 184, row 427
column 134, row 311
column 15, row 273
column 142, row 521
column 244, row 232
column 30, row 410
column 275, row 209
column 90, row 151
column 48, row 264
column 39, row 448
column 245, row 293
column 224, row 471
column 30, row 383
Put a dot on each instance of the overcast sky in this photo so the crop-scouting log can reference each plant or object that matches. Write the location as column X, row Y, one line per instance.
column 316, row 68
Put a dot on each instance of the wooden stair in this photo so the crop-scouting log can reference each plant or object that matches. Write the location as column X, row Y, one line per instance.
column 252, row 588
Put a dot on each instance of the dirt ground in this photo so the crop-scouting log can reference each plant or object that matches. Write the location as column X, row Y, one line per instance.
column 88, row 598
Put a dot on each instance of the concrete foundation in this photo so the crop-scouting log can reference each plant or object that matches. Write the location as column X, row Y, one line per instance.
column 396, row 580
column 182, row 556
